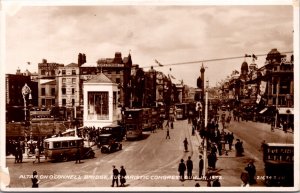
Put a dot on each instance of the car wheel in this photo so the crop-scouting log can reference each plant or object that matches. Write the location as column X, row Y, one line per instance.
column 64, row 158
column 120, row 147
column 92, row 154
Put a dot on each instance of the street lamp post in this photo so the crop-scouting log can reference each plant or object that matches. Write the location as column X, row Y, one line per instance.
column 26, row 91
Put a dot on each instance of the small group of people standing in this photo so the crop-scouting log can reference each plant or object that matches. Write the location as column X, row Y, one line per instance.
column 183, row 167
column 18, row 155
column 115, row 177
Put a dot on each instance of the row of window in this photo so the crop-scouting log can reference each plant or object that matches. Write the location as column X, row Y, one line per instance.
column 51, row 102
column 52, row 72
column 64, row 102
column 65, row 144
column 104, row 71
column 48, row 102
column 43, row 91
column 63, row 91
column 73, row 80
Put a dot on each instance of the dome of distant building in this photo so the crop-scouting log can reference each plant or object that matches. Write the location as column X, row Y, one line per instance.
column 244, row 66
column 274, row 55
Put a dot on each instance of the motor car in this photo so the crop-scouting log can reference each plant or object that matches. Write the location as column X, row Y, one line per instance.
column 108, row 143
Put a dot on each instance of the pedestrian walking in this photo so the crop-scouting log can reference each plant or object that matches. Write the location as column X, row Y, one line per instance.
column 17, row 155
column 181, row 170
column 263, row 145
column 115, row 177
column 189, row 166
column 239, row 148
column 20, row 155
column 77, row 156
column 285, row 126
column 168, row 134
column 34, row 180
column 250, row 168
column 172, row 125
column 230, row 140
column 216, row 183
column 219, row 145
column 201, row 165
column 37, row 154
column 122, row 176
column 167, row 123
column 185, row 143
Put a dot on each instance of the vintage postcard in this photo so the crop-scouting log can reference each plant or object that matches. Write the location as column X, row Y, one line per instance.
column 149, row 96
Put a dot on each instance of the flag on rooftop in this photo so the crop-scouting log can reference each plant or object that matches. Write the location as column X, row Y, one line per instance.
column 159, row 64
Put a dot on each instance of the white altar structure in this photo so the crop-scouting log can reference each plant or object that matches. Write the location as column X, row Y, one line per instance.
column 100, row 102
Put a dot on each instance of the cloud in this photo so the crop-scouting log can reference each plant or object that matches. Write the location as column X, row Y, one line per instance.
column 170, row 34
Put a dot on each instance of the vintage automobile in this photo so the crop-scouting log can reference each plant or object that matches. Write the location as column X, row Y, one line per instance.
column 64, row 148
column 118, row 132
column 108, row 143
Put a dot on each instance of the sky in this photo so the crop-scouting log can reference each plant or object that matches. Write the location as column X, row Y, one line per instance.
column 169, row 34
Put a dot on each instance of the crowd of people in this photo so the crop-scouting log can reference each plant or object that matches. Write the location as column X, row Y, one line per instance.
column 16, row 147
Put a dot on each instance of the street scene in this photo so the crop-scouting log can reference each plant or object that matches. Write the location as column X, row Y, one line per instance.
column 154, row 157
column 150, row 108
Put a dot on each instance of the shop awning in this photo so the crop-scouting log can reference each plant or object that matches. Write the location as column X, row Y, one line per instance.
column 264, row 110
column 286, row 110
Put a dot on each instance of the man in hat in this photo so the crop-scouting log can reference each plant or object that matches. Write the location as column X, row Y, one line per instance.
column 250, row 168
column 115, row 176
column 181, row 169
column 34, row 179
column 122, row 176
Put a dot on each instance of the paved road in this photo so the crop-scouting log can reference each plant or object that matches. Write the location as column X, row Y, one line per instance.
column 146, row 161
column 150, row 160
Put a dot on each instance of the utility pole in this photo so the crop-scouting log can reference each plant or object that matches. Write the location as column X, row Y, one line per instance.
column 277, row 91
column 205, row 126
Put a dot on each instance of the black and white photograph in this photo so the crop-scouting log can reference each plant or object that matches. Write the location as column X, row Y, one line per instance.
column 149, row 96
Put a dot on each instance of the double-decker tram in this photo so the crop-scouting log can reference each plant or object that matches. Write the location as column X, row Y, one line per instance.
column 154, row 118
column 147, row 123
column 181, row 110
column 133, row 121
column 279, row 164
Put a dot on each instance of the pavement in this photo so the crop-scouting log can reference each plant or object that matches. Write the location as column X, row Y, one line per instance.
column 229, row 167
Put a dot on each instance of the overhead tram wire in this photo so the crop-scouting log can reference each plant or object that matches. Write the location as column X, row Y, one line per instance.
column 211, row 60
